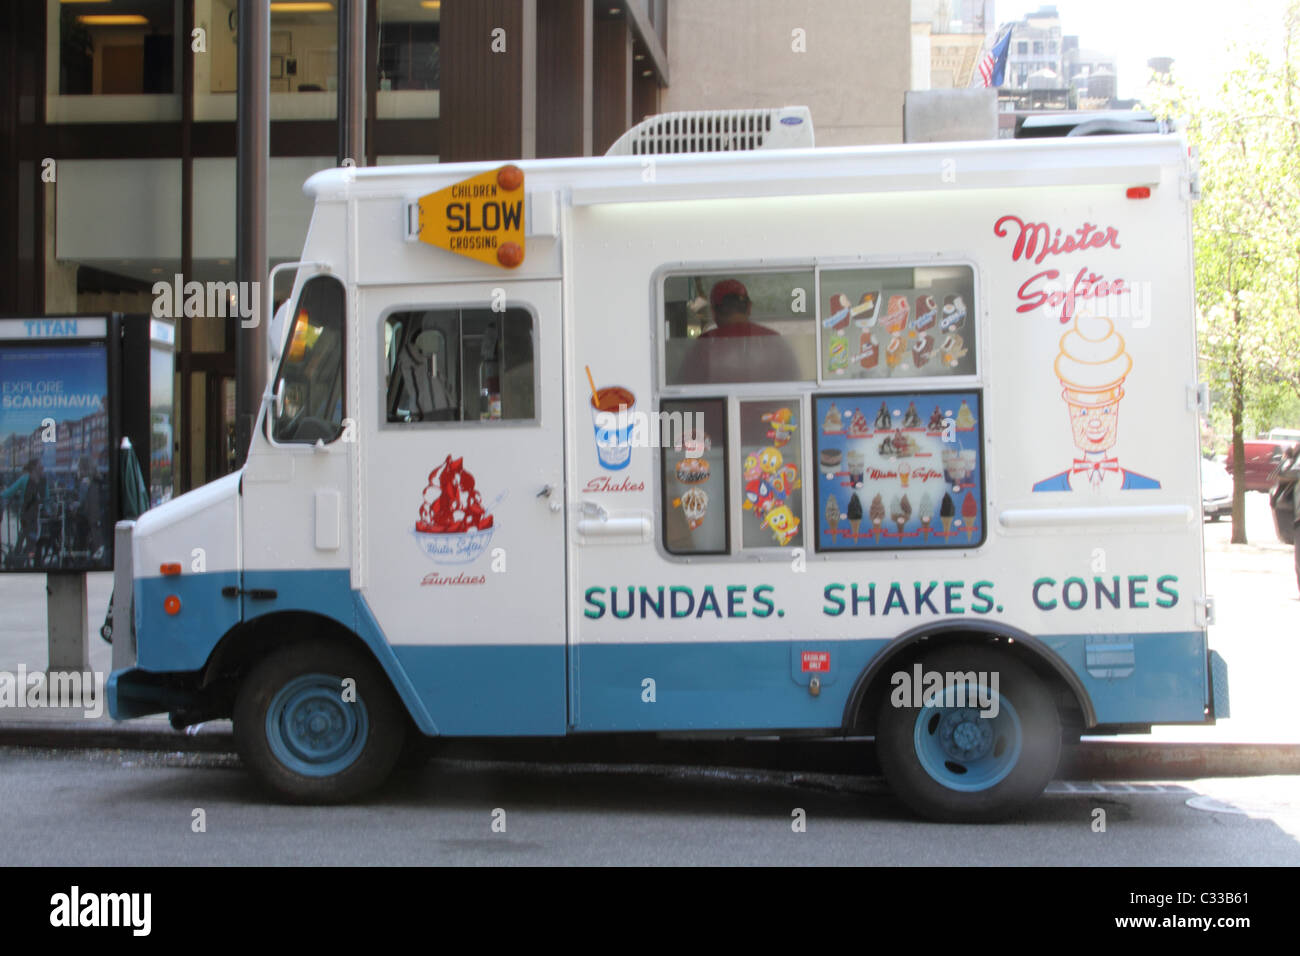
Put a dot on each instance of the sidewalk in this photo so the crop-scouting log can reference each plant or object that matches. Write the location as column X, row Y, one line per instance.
column 1257, row 631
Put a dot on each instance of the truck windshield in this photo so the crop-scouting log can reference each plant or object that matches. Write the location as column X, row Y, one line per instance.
column 311, row 372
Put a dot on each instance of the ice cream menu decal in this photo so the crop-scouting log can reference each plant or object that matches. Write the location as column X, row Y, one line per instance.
column 899, row 470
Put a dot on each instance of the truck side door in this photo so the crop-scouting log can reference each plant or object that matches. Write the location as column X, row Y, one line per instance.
column 460, row 505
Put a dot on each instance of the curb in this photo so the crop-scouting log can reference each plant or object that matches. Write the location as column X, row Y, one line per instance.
column 1133, row 760
column 79, row 735
column 1089, row 760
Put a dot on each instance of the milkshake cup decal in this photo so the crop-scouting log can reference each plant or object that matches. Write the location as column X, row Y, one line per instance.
column 612, row 419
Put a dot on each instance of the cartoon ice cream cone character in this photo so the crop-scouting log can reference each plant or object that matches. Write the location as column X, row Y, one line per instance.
column 946, row 512
column 1092, row 365
column 854, row 514
column 877, row 517
column 926, row 514
column 832, row 515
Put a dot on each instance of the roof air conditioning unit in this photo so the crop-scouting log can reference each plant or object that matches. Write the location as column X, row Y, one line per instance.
column 715, row 131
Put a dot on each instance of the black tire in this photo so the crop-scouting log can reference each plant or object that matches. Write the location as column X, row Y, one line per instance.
column 1039, row 723
column 367, row 734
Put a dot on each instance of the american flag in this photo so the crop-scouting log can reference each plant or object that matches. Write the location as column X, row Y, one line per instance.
column 992, row 66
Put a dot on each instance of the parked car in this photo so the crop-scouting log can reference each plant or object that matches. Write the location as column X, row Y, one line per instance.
column 1285, row 501
column 1216, row 490
column 1262, row 458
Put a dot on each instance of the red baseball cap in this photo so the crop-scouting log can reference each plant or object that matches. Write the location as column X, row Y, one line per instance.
column 725, row 288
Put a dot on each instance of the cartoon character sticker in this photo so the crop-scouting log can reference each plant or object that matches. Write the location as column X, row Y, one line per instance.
column 1092, row 365
column 770, row 478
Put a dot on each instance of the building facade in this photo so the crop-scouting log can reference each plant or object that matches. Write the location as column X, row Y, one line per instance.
column 118, row 132
column 1035, row 55
column 849, row 62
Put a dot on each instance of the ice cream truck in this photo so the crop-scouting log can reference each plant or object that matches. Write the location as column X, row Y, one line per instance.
column 896, row 442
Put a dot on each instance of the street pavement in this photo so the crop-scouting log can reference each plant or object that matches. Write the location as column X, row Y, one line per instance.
column 92, row 808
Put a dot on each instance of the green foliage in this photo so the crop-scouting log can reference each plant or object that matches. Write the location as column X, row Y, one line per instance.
column 1247, row 230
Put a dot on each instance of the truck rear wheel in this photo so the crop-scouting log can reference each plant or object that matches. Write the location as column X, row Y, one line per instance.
column 308, row 735
column 949, row 763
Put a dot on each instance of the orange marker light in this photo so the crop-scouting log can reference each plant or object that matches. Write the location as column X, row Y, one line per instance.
column 169, row 570
column 172, row 605
column 1138, row 192
column 510, row 255
column 510, row 177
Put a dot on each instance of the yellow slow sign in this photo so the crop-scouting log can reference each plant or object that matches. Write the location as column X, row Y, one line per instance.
column 481, row 217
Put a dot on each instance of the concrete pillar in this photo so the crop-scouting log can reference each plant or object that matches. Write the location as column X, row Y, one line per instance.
column 67, row 622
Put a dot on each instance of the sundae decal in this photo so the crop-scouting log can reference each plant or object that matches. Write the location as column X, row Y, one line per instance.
column 890, row 476
column 454, row 526
column 1092, row 365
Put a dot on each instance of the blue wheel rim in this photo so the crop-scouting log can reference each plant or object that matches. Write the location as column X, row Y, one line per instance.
column 966, row 752
column 312, row 730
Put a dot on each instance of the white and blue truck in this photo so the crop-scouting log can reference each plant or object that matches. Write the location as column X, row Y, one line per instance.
column 890, row 441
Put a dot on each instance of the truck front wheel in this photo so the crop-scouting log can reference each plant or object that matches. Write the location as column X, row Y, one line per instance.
column 318, row 723
column 970, row 757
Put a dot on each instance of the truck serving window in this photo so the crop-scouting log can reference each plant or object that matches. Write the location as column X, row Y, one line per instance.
column 726, row 327
column 311, row 372
column 771, row 436
column 897, row 322
column 694, row 476
column 457, row 365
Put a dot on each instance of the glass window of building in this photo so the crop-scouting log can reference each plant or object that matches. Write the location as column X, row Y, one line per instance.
column 112, row 62
column 408, row 64
column 304, row 60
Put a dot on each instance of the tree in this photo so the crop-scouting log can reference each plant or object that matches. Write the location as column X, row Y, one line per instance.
column 1247, row 237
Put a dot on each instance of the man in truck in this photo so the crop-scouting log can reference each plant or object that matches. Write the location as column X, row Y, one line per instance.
column 737, row 349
